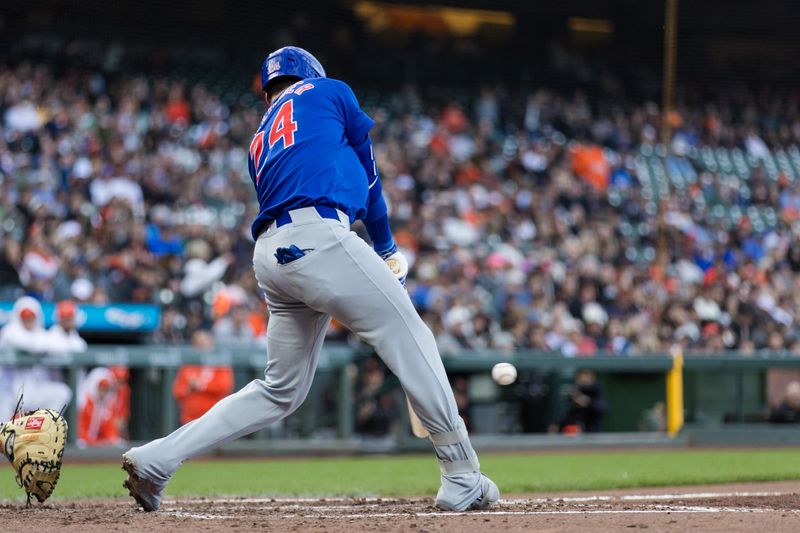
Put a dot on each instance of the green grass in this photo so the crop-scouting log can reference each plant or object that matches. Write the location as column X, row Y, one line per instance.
column 418, row 475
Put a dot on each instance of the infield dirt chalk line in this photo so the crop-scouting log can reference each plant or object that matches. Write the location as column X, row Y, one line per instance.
column 198, row 516
column 639, row 497
column 443, row 514
column 299, row 508
column 516, row 501
column 436, row 514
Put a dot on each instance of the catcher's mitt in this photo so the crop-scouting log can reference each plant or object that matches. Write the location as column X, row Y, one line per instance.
column 34, row 444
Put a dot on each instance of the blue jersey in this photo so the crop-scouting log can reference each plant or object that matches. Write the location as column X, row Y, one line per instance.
column 302, row 153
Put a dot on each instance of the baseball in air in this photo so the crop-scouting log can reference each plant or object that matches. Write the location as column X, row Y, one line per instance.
column 504, row 373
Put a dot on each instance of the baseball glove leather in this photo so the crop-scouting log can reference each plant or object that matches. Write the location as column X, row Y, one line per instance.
column 34, row 444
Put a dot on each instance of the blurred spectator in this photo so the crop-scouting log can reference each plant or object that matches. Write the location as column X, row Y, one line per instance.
column 201, row 274
column 63, row 337
column 234, row 328
column 100, row 417
column 655, row 418
column 123, row 398
column 9, row 258
column 788, row 411
column 172, row 328
column 586, row 406
column 25, row 333
column 375, row 406
column 533, row 219
column 197, row 388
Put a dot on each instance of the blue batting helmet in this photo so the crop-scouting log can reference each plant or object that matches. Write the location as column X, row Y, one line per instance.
column 290, row 61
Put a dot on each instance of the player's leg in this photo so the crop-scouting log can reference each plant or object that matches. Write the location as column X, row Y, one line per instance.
column 351, row 283
column 294, row 340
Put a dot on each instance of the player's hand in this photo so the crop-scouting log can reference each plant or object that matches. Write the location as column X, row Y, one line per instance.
column 397, row 263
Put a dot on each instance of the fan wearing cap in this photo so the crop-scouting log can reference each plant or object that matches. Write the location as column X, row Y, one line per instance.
column 25, row 333
column 63, row 337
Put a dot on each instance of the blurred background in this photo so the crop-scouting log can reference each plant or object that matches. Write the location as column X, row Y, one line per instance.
column 584, row 189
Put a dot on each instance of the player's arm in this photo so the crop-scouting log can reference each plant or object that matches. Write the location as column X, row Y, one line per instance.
column 357, row 126
column 377, row 218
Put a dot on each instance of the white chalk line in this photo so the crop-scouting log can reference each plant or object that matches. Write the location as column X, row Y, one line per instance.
column 678, row 509
column 197, row 516
column 343, row 503
column 298, row 508
column 287, row 500
column 639, row 497
column 429, row 514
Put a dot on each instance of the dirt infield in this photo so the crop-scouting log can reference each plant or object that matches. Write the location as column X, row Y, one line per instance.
column 773, row 507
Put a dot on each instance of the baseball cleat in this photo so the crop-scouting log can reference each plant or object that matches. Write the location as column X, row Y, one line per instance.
column 489, row 494
column 146, row 493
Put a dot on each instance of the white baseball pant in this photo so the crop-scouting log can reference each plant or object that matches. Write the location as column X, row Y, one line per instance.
column 340, row 276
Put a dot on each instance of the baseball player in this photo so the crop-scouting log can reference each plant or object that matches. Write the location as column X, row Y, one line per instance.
column 312, row 165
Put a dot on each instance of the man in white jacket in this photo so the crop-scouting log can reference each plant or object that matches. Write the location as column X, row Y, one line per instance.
column 63, row 337
column 25, row 333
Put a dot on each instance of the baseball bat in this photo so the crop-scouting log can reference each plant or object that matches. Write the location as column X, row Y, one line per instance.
column 417, row 428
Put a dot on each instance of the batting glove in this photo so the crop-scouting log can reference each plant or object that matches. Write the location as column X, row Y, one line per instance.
column 397, row 263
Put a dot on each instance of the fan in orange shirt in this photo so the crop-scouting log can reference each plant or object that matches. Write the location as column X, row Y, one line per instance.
column 98, row 410
column 197, row 388
column 589, row 162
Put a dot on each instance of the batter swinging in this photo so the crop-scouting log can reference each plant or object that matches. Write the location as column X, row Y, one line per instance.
column 312, row 165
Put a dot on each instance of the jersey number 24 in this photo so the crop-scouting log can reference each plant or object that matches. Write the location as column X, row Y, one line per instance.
column 284, row 126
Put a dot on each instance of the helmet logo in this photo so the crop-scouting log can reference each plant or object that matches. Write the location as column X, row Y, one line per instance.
column 273, row 65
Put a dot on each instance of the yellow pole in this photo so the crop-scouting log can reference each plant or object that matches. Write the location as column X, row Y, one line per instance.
column 675, row 393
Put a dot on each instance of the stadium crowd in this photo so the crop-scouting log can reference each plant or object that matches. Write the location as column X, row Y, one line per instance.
column 526, row 215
